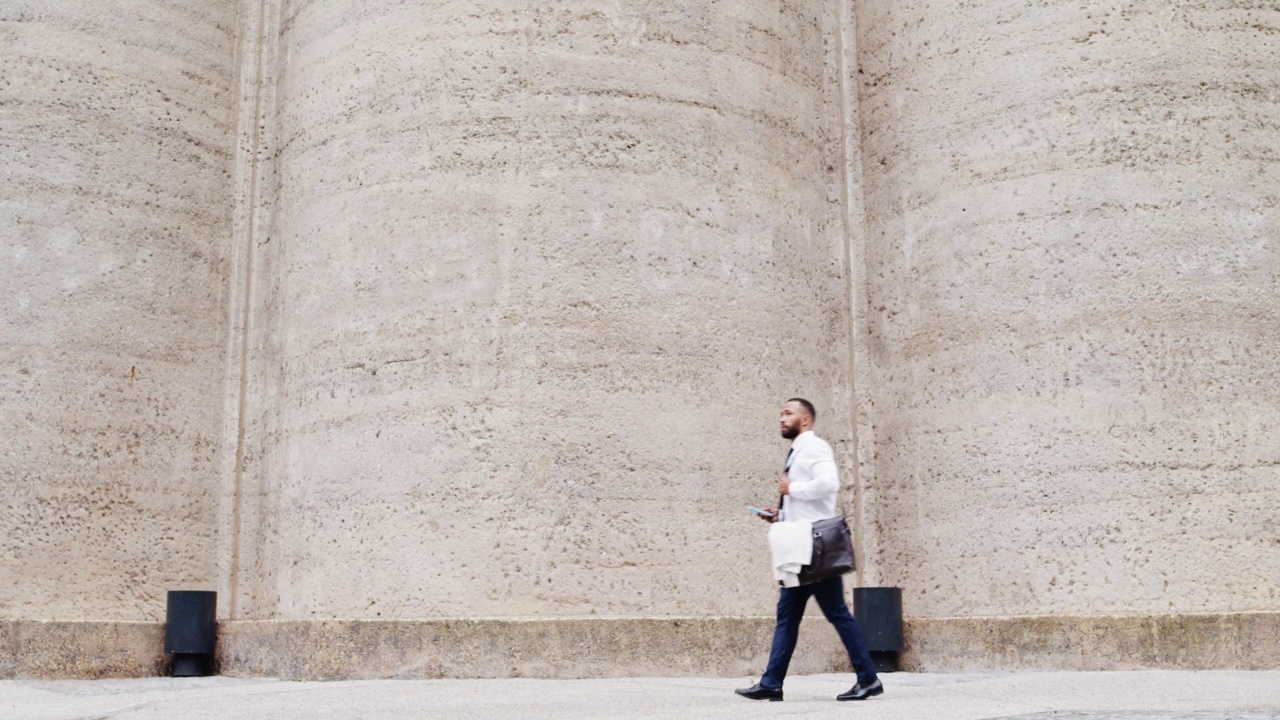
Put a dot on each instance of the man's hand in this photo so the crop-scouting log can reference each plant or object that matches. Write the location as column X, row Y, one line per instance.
column 769, row 518
column 784, row 486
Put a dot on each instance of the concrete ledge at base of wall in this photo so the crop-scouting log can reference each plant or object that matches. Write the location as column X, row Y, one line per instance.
column 88, row 649
column 1229, row 641
column 616, row 647
column 361, row 649
column 546, row 648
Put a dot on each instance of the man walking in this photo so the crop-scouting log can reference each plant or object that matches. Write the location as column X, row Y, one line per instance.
column 809, row 487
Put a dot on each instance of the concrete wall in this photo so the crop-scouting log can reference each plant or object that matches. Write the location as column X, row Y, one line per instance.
column 114, row 214
column 531, row 284
column 1072, row 304
column 421, row 330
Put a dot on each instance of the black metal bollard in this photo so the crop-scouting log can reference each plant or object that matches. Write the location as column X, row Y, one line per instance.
column 879, row 609
column 190, row 631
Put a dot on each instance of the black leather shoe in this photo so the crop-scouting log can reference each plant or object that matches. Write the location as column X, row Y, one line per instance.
column 857, row 692
column 759, row 692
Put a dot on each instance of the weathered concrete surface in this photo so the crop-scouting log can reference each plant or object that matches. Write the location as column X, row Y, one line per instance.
column 553, row 648
column 36, row 649
column 616, row 647
column 568, row 648
column 114, row 216
column 1244, row 641
column 516, row 289
column 1072, row 295
column 1159, row 695
column 534, row 281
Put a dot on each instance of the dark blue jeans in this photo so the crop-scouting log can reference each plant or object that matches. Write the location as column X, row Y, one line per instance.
column 791, row 603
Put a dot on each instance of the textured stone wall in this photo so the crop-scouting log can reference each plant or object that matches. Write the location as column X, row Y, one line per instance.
column 1072, row 304
column 533, row 283
column 475, row 317
column 114, row 210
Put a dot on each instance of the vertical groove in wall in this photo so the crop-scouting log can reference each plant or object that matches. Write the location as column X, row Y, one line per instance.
column 854, row 234
column 256, row 51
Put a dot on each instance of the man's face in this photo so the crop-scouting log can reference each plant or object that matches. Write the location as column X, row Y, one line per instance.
column 793, row 420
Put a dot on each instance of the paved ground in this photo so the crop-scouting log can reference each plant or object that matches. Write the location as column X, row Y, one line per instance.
column 1218, row 695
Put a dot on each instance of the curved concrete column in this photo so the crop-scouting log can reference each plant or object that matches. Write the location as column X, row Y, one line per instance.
column 1073, row 262
column 537, row 277
column 115, row 140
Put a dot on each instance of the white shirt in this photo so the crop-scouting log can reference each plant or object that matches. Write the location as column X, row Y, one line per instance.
column 815, row 482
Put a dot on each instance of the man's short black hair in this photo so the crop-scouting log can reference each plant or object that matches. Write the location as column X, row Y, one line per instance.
column 808, row 406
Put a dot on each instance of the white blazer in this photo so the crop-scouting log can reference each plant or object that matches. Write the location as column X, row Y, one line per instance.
column 791, row 546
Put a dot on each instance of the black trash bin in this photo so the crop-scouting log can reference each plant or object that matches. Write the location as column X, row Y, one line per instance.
column 879, row 609
column 190, row 630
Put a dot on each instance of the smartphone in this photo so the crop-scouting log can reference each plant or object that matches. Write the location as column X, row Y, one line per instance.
column 758, row 511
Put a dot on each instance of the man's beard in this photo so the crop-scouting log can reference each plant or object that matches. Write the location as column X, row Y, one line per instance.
column 791, row 433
